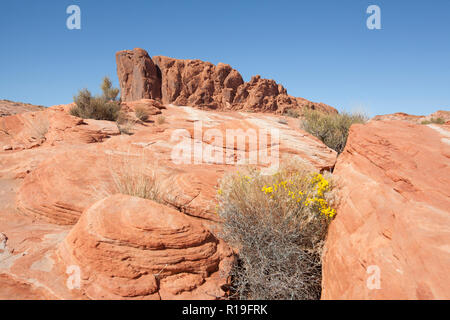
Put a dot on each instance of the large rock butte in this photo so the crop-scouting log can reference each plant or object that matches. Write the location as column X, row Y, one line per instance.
column 203, row 85
column 394, row 216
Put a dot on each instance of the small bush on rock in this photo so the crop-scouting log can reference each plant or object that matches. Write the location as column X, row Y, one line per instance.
column 135, row 178
column 331, row 129
column 104, row 107
column 160, row 120
column 141, row 113
column 278, row 224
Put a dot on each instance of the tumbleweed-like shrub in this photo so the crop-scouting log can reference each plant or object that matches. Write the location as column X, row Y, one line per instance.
column 141, row 113
column 331, row 129
column 278, row 224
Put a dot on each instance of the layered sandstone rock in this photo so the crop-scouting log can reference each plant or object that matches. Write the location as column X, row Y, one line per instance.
column 52, row 126
column 151, row 106
column 440, row 114
column 60, row 189
column 8, row 108
column 132, row 248
column 138, row 76
column 204, row 85
column 394, row 216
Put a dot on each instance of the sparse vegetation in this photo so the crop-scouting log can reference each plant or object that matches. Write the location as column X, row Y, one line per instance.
column 39, row 127
column 109, row 93
column 104, row 107
column 160, row 120
column 135, row 178
column 141, row 113
column 278, row 224
column 291, row 113
column 125, row 124
column 331, row 129
column 434, row 121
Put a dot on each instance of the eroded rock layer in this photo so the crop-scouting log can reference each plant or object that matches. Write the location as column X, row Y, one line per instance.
column 391, row 234
column 132, row 248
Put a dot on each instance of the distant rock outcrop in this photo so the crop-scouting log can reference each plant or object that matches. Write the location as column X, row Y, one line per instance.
column 440, row 114
column 391, row 234
column 8, row 108
column 201, row 84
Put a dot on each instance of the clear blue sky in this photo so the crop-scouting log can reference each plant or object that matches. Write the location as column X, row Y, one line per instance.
column 320, row 50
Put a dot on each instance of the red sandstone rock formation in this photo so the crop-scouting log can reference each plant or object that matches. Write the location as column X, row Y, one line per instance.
column 138, row 75
column 394, row 214
column 47, row 184
column 204, row 85
column 132, row 248
column 444, row 115
column 8, row 108
column 46, row 193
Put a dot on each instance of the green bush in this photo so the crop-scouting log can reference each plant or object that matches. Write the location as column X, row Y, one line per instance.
column 434, row 120
column 109, row 93
column 331, row 129
column 104, row 107
column 278, row 224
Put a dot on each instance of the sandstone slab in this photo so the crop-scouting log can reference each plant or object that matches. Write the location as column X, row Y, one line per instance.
column 394, row 216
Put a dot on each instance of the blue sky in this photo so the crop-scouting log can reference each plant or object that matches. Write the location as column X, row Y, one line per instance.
column 320, row 50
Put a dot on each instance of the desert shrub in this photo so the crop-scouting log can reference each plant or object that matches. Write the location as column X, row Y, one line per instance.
column 434, row 120
column 104, row 107
column 134, row 177
column 160, row 120
column 291, row 113
column 278, row 224
column 331, row 129
column 109, row 93
column 141, row 113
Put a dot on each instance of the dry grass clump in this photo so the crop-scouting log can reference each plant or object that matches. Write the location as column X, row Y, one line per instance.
column 104, row 107
column 278, row 224
column 141, row 113
column 332, row 129
column 434, row 121
column 125, row 124
column 291, row 113
column 134, row 177
column 160, row 120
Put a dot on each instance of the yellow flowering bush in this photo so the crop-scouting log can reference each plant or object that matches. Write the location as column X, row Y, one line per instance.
column 304, row 195
column 278, row 223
